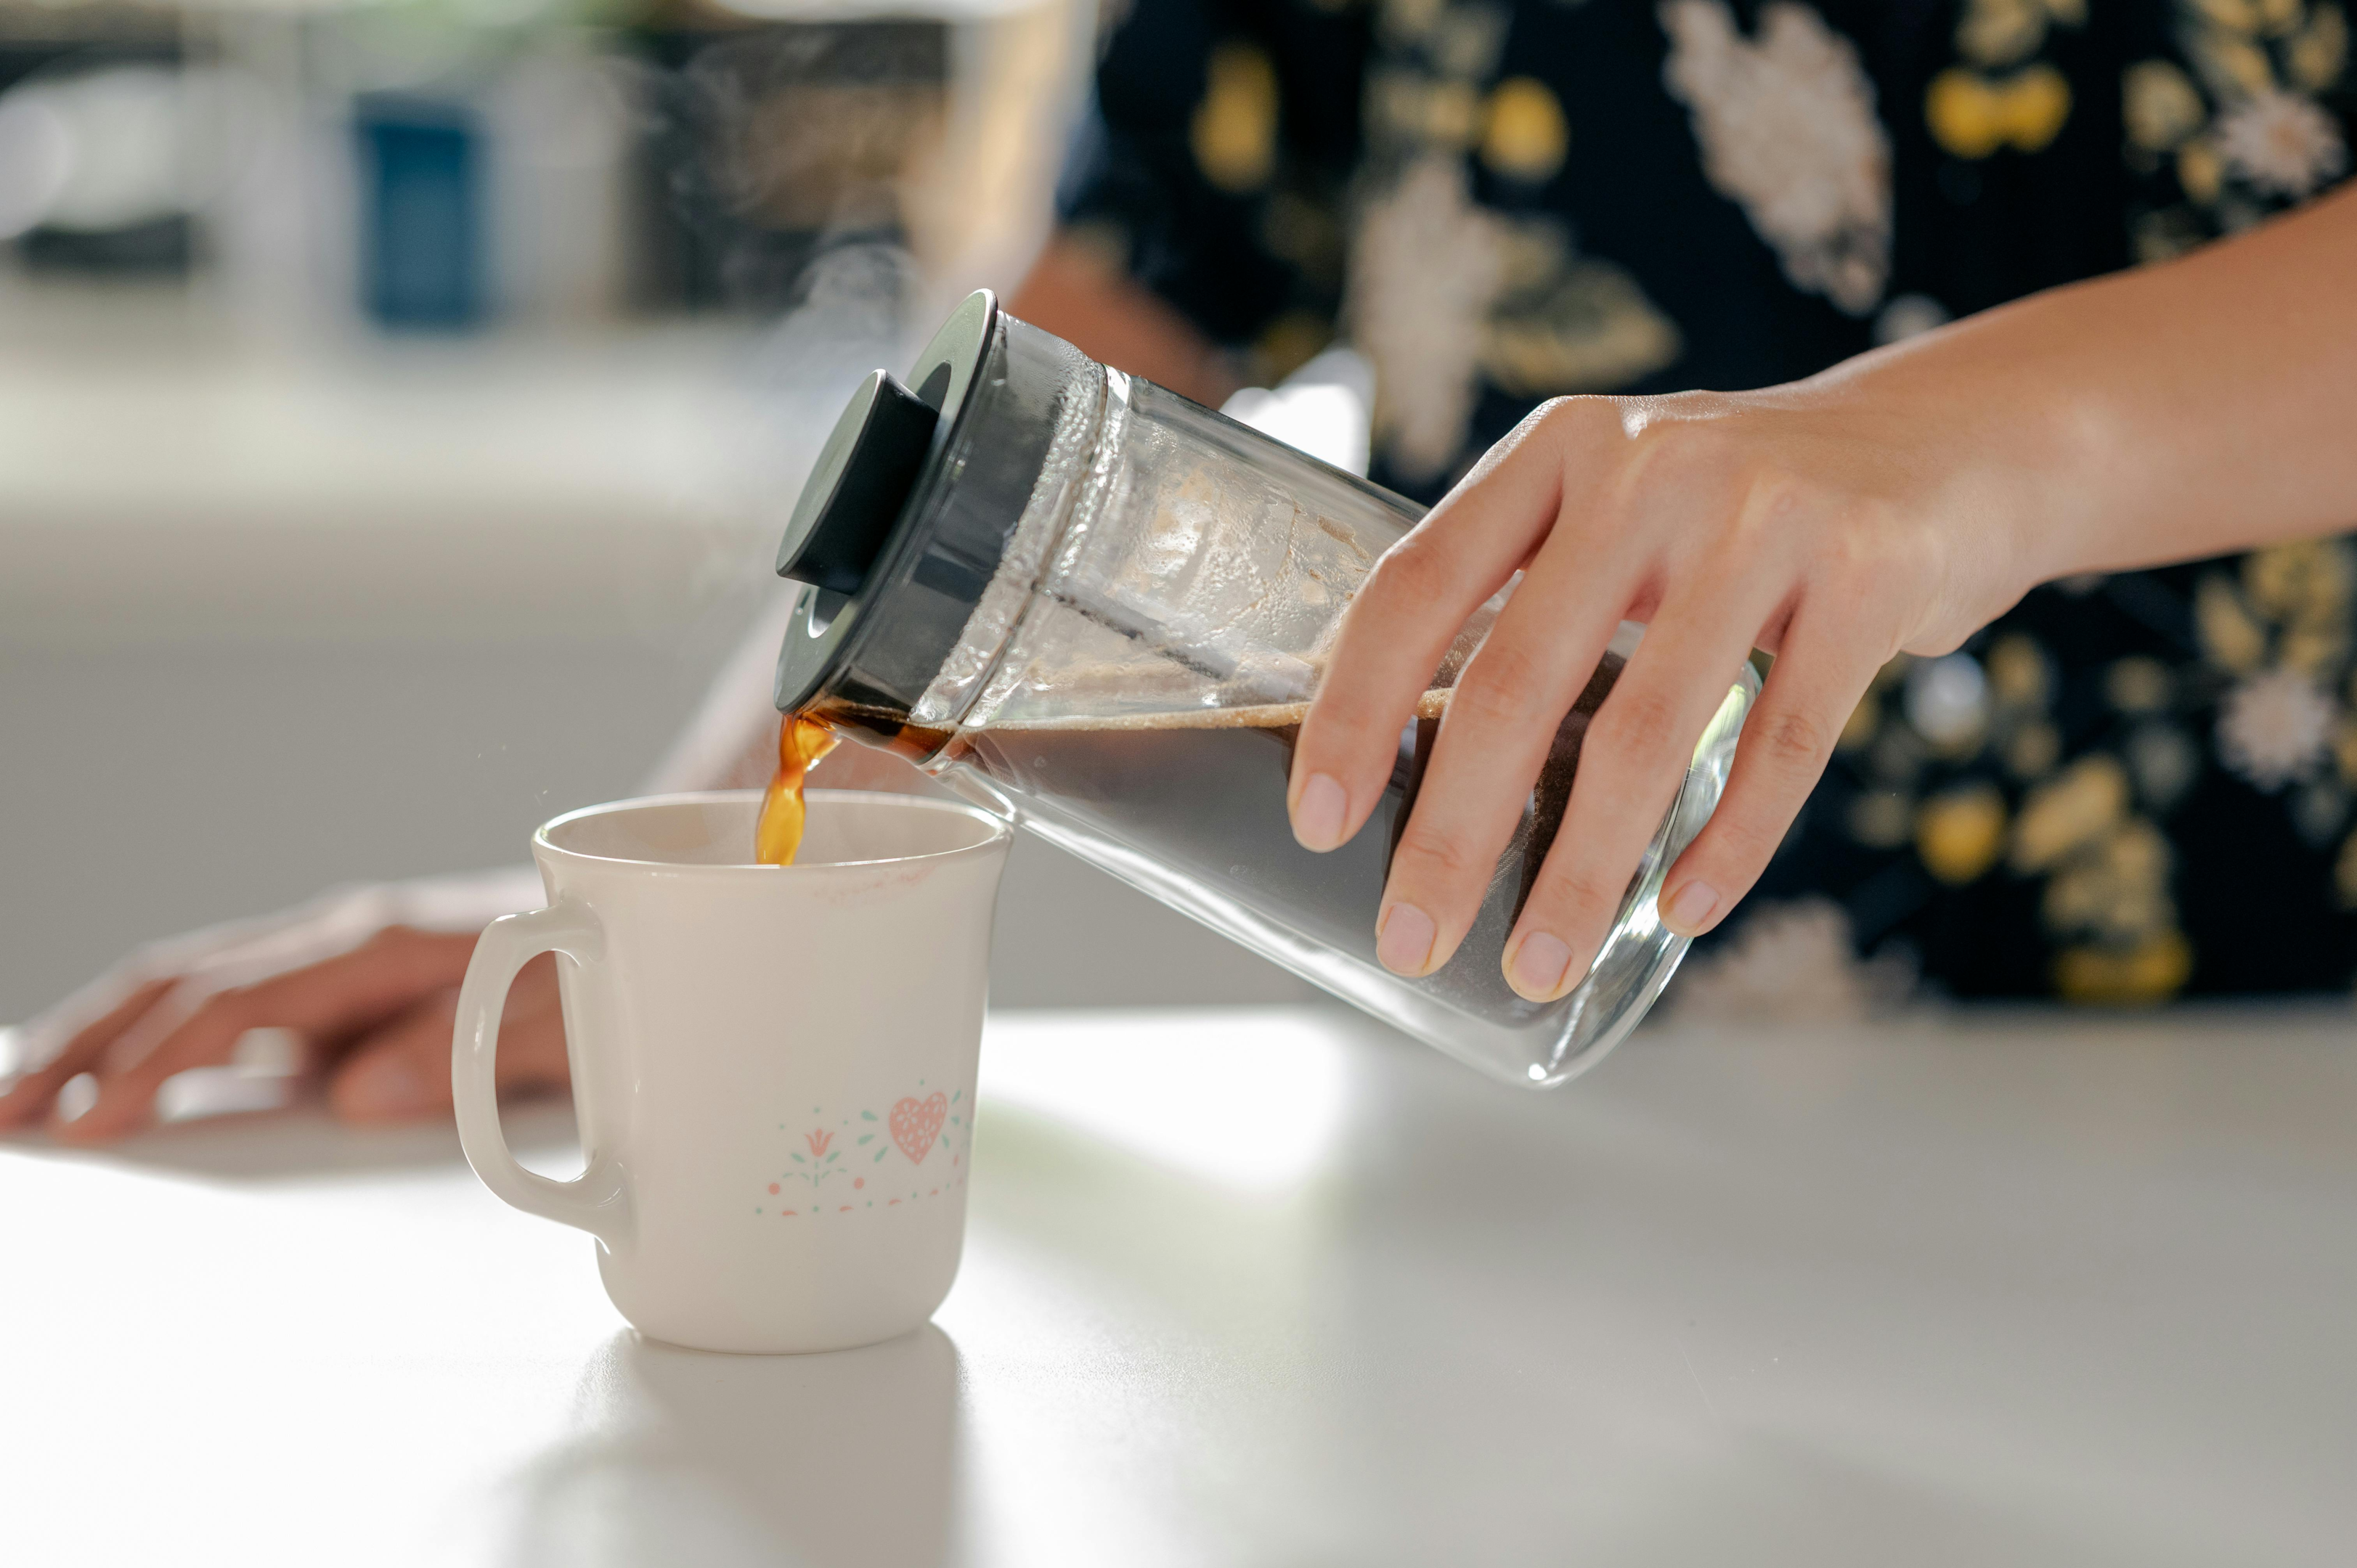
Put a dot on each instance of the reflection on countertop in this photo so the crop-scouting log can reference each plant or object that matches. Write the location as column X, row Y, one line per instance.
column 845, row 1460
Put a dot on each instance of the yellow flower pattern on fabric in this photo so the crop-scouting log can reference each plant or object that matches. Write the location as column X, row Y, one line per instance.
column 1996, row 33
column 2231, row 635
column 1523, row 136
column 2319, row 53
column 2150, row 971
column 1959, row 832
column 2160, row 104
column 1998, row 97
column 2117, row 890
column 1234, row 133
column 1972, row 116
column 2344, row 874
column 2016, row 673
column 2078, row 808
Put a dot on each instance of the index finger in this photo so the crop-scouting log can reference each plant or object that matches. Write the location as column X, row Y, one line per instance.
column 38, row 1086
column 1410, row 608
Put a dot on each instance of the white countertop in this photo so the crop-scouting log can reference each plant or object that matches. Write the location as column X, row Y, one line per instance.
column 1275, row 1288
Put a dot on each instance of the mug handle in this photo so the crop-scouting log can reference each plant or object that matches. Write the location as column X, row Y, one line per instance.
column 594, row 1201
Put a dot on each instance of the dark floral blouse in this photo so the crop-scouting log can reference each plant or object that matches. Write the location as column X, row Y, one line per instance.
column 2127, row 787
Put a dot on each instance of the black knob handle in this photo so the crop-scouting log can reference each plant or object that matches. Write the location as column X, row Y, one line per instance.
column 862, row 478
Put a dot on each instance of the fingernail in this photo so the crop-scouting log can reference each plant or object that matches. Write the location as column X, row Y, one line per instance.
column 1404, row 939
column 75, row 1098
column 387, row 1084
column 1689, row 906
column 1318, row 816
column 1538, row 967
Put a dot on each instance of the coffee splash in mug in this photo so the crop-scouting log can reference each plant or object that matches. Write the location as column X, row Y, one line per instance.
column 802, row 741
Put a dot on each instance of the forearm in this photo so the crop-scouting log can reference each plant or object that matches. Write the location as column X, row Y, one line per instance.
column 2201, row 406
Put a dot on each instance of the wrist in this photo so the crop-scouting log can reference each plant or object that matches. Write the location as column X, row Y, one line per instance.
column 2025, row 453
column 2052, row 460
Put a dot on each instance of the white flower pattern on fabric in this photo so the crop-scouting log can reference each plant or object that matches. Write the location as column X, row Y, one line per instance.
column 2274, row 728
column 2282, row 144
column 1427, row 268
column 1788, row 129
column 1791, row 964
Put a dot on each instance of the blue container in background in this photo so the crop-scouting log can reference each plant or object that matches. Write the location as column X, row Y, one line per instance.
column 422, row 262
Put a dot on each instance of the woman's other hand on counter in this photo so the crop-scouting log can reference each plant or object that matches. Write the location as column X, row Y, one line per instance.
column 375, row 1023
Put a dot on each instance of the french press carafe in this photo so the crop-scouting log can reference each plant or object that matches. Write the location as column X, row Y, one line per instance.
column 1101, row 611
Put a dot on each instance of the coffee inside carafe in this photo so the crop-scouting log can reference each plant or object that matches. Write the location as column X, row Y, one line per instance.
column 1203, row 792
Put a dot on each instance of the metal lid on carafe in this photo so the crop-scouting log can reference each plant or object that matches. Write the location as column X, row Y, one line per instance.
column 917, row 510
column 853, row 531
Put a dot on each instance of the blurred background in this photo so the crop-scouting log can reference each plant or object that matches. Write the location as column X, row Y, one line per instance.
column 399, row 402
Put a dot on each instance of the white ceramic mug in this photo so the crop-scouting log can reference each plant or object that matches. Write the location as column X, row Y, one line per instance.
column 772, row 1067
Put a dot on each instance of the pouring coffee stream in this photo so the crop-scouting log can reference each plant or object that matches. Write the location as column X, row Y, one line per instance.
column 1101, row 611
column 801, row 741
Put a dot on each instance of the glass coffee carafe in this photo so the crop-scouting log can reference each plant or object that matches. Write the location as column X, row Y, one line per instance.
column 1101, row 611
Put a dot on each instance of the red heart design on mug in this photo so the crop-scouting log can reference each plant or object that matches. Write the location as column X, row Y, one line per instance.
column 916, row 1125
